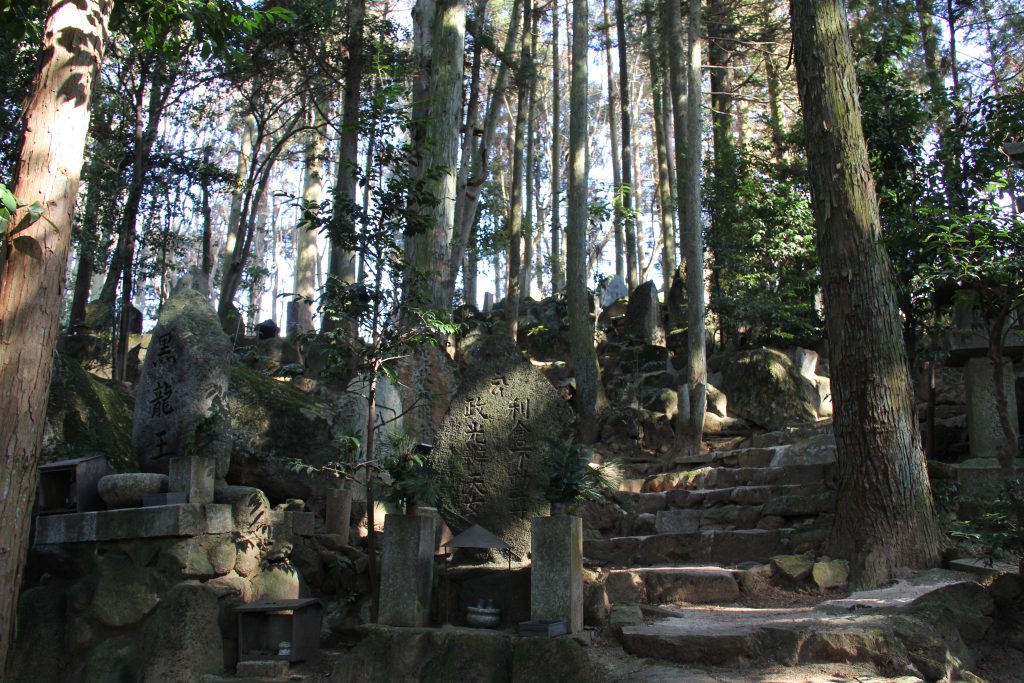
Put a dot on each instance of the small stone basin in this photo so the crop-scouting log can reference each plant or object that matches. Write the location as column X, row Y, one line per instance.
column 127, row 490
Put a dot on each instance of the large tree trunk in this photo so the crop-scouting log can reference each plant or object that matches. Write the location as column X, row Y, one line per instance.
column 689, row 437
column 429, row 252
column 884, row 517
column 528, row 219
column 589, row 399
column 342, row 261
column 32, row 274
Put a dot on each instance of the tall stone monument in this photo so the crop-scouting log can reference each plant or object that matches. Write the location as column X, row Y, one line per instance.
column 489, row 452
column 180, row 399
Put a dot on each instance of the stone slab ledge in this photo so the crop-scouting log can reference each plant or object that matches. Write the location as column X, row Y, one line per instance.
column 128, row 523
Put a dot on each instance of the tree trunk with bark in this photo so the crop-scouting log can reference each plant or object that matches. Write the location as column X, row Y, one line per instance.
column 884, row 516
column 429, row 253
column 34, row 267
column 692, row 423
column 666, row 208
column 557, row 276
column 589, row 398
column 626, row 190
column 515, row 218
column 616, row 150
column 306, row 252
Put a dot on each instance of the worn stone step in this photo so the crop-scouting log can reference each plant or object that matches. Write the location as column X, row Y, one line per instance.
column 722, row 518
column 894, row 628
column 663, row 585
column 728, row 477
column 734, row 495
column 719, row 547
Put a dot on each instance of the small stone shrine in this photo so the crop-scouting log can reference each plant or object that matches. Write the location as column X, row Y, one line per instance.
column 489, row 451
column 180, row 407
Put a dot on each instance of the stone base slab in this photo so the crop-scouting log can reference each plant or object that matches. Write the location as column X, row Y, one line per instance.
column 149, row 522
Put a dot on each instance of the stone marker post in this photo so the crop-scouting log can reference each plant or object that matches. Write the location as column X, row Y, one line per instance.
column 193, row 475
column 407, row 570
column 339, row 512
column 556, row 577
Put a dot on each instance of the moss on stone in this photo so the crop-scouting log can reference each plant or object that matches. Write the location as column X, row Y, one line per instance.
column 87, row 416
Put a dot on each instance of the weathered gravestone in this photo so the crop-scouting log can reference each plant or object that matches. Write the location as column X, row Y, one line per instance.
column 426, row 383
column 643, row 315
column 180, row 400
column 489, row 452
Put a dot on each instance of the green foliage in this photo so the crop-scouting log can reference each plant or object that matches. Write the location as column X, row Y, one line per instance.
column 9, row 205
column 572, row 477
column 403, row 476
column 765, row 273
column 998, row 524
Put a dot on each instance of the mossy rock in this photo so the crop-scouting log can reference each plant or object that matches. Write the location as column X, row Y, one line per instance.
column 272, row 422
column 551, row 660
column 764, row 387
column 87, row 416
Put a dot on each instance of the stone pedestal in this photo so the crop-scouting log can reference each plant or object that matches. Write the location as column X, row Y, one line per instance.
column 339, row 512
column 556, row 577
column 194, row 476
column 984, row 431
column 407, row 570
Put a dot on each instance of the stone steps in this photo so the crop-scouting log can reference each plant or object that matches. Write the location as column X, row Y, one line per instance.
column 719, row 547
column 663, row 585
column 894, row 629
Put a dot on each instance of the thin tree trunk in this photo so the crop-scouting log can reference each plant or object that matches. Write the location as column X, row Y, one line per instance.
column 557, row 276
column 515, row 225
column 207, row 243
column 528, row 222
column 33, row 266
column 884, row 515
column 615, row 150
column 589, row 398
column 626, row 191
column 481, row 168
column 677, row 69
column 306, row 255
column 460, row 238
column 664, row 183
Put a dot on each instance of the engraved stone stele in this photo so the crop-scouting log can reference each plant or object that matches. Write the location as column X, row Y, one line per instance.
column 490, row 451
column 180, row 399
column 426, row 383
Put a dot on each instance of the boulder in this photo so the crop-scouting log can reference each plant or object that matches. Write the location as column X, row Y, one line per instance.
column 831, row 574
column 182, row 640
column 124, row 593
column 792, row 568
column 85, row 415
column 426, row 384
column 615, row 289
column 40, row 652
column 765, row 388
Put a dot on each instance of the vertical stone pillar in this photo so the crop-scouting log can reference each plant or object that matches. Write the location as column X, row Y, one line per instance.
column 193, row 475
column 986, row 435
column 339, row 512
column 556, row 577
column 407, row 570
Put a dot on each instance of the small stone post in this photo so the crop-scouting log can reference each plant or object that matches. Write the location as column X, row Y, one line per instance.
column 193, row 475
column 407, row 570
column 556, row 577
column 339, row 512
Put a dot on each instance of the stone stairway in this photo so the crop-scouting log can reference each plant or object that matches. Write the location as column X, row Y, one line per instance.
column 773, row 495
column 921, row 626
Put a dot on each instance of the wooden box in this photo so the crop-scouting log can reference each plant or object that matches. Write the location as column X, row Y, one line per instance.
column 71, row 485
column 264, row 627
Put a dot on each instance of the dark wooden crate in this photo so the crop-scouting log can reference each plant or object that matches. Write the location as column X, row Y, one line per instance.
column 264, row 625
